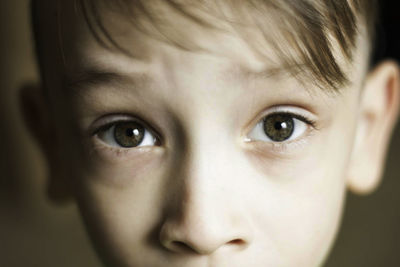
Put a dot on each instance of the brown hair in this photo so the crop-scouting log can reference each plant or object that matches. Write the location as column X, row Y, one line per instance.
column 310, row 28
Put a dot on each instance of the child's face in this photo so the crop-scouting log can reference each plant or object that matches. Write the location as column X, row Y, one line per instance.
column 198, row 158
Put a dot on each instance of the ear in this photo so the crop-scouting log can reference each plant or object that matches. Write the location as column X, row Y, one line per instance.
column 36, row 114
column 379, row 108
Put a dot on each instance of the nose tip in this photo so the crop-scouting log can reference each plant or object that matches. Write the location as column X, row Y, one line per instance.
column 198, row 239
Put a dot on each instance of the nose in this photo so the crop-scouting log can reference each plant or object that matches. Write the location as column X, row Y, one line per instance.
column 206, row 215
column 201, row 234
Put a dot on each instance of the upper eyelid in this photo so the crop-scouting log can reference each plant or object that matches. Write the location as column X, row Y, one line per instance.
column 106, row 125
column 289, row 109
column 300, row 117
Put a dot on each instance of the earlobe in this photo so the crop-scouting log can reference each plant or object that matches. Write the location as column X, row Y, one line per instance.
column 36, row 117
column 379, row 107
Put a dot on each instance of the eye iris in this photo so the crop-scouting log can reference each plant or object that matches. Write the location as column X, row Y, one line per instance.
column 129, row 134
column 279, row 127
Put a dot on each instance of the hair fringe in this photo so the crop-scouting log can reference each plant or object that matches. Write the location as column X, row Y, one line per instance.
column 304, row 42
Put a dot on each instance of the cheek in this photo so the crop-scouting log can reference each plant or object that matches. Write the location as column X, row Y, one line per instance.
column 302, row 218
column 300, row 199
column 297, row 219
column 122, row 203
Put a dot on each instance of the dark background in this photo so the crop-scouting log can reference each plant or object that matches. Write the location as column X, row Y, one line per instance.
column 34, row 232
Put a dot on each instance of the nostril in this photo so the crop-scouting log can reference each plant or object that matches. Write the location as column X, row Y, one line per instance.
column 237, row 242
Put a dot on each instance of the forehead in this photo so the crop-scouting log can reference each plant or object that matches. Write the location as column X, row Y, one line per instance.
column 261, row 35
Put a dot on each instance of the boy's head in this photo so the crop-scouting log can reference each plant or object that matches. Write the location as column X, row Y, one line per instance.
column 211, row 133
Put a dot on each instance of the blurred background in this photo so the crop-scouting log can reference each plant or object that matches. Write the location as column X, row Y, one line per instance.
column 34, row 232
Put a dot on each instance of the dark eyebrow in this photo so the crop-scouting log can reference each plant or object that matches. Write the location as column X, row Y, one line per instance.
column 93, row 78
column 82, row 81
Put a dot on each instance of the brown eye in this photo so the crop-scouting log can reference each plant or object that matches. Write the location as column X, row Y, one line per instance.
column 129, row 134
column 279, row 127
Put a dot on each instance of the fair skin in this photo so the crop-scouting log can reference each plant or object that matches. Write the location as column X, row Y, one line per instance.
column 207, row 186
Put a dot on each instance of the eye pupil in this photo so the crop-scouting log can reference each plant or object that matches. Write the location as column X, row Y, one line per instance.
column 129, row 134
column 279, row 127
column 132, row 132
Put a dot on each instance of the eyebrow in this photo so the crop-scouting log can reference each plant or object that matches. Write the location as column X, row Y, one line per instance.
column 92, row 78
column 275, row 72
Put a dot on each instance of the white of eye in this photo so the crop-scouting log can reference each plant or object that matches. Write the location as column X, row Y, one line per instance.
column 258, row 133
column 107, row 136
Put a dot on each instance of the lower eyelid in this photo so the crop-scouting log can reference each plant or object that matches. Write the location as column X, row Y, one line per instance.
column 100, row 146
column 109, row 153
column 276, row 150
